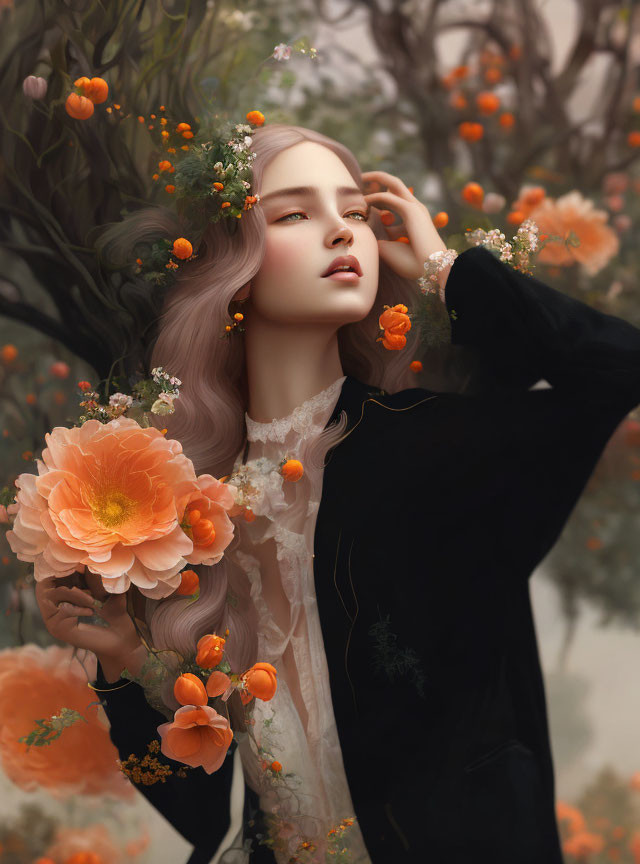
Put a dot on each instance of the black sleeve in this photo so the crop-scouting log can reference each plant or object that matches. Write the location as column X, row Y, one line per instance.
column 550, row 439
column 525, row 330
column 198, row 805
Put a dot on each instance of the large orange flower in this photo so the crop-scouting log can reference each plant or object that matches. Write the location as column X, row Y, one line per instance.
column 571, row 212
column 35, row 684
column 111, row 497
column 198, row 736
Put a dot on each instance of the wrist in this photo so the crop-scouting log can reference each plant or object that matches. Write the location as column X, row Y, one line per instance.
column 113, row 665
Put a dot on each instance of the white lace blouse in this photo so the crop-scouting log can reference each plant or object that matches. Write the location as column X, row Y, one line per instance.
column 310, row 796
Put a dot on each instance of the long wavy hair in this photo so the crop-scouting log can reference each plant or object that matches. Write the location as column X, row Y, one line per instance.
column 209, row 416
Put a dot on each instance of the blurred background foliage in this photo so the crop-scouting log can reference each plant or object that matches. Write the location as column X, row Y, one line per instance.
column 488, row 137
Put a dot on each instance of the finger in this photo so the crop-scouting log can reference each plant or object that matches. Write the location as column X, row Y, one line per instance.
column 73, row 595
column 67, row 610
column 393, row 183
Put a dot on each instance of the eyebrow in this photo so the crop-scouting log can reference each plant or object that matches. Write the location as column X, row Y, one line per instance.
column 307, row 190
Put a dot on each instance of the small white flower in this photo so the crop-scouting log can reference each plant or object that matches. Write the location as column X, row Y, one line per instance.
column 282, row 51
column 118, row 400
column 248, row 140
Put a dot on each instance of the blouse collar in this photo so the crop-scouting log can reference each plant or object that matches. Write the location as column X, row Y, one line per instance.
column 311, row 414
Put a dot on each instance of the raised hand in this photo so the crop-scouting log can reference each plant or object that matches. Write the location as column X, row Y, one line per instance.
column 406, row 259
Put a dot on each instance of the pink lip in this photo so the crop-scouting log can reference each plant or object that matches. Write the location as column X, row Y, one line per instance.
column 348, row 260
column 344, row 276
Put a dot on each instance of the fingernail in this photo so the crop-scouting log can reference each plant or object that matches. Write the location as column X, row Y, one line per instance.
column 98, row 604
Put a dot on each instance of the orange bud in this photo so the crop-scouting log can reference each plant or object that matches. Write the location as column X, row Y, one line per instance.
column 387, row 217
column 441, row 219
column 189, row 583
column 633, row 139
column 403, row 240
column 276, row 766
column 415, row 366
column 203, row 532
column 261, row 681
column 183, row 127
column 506, row 120
column 210, row 650
column 218, row 186
column 78, row 107
column 189, row 690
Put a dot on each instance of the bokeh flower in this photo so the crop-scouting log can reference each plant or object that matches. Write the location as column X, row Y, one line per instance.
column 91, row 845
column 573, row 213
column 35, row 684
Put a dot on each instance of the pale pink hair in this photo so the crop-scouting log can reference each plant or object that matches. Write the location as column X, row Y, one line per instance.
column 209, row 416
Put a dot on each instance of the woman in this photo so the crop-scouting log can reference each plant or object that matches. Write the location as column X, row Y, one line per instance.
column 389, row 586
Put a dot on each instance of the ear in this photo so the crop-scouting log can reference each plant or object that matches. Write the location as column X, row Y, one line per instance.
column 242, row 293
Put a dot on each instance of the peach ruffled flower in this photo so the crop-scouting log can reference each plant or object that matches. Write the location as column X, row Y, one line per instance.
column 198, row 736
column 92, row 845
column 111, row 497
column 571, row 212
column 35, row 684
column 212, row 501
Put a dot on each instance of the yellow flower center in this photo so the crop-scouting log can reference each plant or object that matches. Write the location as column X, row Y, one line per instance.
column 112, row 508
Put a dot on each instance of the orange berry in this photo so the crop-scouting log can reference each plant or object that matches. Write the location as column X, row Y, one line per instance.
column 493, row 75
column 182, row 248
column 155, row 177
column 170, row 188
column 5, row 560
column 387, row 217
column 473, row 194
column 403, row 240
column 633, row 139
column 415, row 366
column 441, row 219
column 185, row 147
column 458, row 100
column 506, row 120
column 183, row 127
column 218, row 186
column 165, row 165
column 256, row 118
column 276, row 766
column 594, row 543
column 9, row 352
column 515, row 217
column 27, row 455
column 31, row 399
column 292, row 470
column 85, row 386
column 471, row 131
column 140, row 119
column 487, row 102
column 59, row 397
column 249, row 515
column 187, row 134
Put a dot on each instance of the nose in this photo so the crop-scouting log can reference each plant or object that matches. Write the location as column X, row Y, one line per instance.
column 344, row 234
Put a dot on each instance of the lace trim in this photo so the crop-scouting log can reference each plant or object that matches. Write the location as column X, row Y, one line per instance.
column 301, row 419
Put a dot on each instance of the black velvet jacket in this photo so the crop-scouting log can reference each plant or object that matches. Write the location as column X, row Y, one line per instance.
column 435, row 510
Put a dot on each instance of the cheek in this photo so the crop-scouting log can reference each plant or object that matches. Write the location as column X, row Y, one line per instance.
column 282, row 255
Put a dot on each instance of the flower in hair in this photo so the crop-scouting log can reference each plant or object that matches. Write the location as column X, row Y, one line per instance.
column 395, row 322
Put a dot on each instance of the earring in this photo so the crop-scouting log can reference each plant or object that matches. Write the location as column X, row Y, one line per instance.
column 238, row 317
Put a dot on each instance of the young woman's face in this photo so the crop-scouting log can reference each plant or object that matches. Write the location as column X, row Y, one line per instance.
column 305, row 232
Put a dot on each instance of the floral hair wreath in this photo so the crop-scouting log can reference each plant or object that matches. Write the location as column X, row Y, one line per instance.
column 211, row 180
